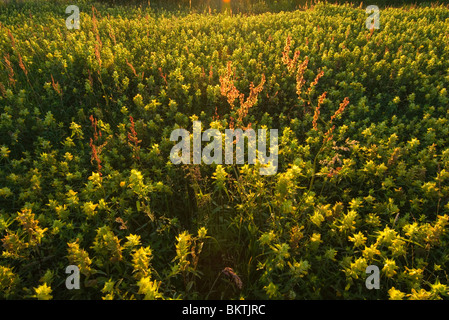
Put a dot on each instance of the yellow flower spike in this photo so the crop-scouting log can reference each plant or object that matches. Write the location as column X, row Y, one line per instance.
column 79, row 257
column 386, row 236
column 202, row 232
column 96, row 178
column 72, row 198
column 370, row 252
column 356, row 268
column 149, row 288
column 141, row 262
column 315, row 240
column 348, row 221
column 422, row 294
column 413, row 274
column 102, row 204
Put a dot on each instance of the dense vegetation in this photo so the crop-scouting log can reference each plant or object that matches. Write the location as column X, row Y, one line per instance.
column 85, row 176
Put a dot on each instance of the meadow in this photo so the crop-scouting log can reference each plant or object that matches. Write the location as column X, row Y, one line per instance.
column 86, row 178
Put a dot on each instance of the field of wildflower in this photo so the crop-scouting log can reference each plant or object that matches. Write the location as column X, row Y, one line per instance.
column 86, row 178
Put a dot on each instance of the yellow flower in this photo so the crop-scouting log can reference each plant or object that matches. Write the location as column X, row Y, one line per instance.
column 356, row 268
column 102, row 204
column 359, row 265
column 330, row 254
column 202, row 232
column 396, row 294
column 149, row 288
column 43, row 292
column 358, row 239
column 4, row 152
column 439, row 288
column 76, row 130
column 133, row 241
column 390, row 268
column 411, row 229
column 317, row 218
column 108, row 286
column 315, row 240
column 413, row 274
column 62, row 211
column 109, row 296
column 370, row 251
column 386, row 236
column 220, row 176
column 271, row 290
column 397, row 247
column 68, row 142
column 96, row 178
column 267, row 237
column 420, row 295
column 79, row 257
column 396, row 100
column 141, row 260
column 412, row 143
column 348, row 221
column 300, row 268
column 89, row 208
column 72, row 198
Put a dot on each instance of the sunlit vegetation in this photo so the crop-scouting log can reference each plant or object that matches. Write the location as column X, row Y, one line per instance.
column 86, row 179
